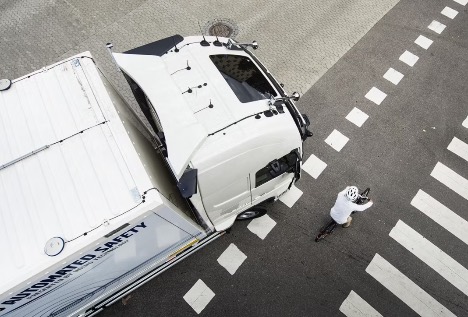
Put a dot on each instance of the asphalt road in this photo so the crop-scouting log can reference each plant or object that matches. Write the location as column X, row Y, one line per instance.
column 394, row 153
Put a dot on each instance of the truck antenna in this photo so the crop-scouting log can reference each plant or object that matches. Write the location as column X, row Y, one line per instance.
column 204, row 42
column 109, row 49
column 217, row 42
column 175, row 44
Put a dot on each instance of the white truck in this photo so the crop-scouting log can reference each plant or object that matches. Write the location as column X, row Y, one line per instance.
column 91, row 207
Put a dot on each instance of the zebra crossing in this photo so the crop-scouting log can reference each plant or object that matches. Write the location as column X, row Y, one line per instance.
column 414, row 296
column 422, row 248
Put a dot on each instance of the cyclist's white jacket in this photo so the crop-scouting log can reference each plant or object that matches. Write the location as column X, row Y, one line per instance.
column 343, row 207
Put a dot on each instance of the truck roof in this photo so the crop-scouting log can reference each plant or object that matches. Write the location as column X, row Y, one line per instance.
column 67, row 168
column 194, row 97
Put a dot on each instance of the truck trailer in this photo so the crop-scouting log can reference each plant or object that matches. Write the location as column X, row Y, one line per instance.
column 97, row 198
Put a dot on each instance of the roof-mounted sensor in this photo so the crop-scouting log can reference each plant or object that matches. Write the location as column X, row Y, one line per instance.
column 5, row 84
column 54, row 246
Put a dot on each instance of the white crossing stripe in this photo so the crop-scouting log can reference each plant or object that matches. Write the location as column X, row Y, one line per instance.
column 409, row 58
column 430, row 254
column 336, row 140
column 451, row 179
column 449, row 12
column 436, row 26
column 376, row 95
column 357, row 117
column 459, row 147
column 462, row 2
column 232, row 258
column 406, row 290
column 314, row 166
column 465, row 123
column 291, row 196
column 261, row 226
column 355, row 306
column 199, row 296
column 446, row 218
column 393, row 76
column 423, row 41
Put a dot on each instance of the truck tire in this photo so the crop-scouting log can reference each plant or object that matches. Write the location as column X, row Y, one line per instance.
column 252, row 213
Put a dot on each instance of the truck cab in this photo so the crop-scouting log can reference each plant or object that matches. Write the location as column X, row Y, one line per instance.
column 229, row 133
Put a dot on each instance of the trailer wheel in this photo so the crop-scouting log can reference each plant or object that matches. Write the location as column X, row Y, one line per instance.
column 252, row 213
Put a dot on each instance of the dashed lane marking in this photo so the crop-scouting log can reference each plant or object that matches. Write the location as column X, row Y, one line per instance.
column 376, row 95
column 291, row 196
column 393, row 76
column 465, row 123
column 314, row 166
column 459, row 147
column 199, row 296
column 405, row 289
column 232, row 258
column 423, row 41
column 436, row 26
column 357, row 117
column 451, row 179
column 462, row 2
column 430, row 254
column 261, row 226
column 449, row 12
column 409, row 58
column 446, row 218
column 355, row 306
column 337, row 140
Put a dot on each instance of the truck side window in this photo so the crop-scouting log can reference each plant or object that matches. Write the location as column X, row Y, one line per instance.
column 276, row 168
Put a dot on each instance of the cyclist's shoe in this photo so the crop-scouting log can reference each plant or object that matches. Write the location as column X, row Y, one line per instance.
column 347, row 224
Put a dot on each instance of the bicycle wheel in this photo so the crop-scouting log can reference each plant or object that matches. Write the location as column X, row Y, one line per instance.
column 320, row 236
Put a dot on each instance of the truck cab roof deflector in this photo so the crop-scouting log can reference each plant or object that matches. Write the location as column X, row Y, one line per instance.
column 183, row 133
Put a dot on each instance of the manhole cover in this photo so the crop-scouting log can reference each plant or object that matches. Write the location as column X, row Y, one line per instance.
column 221, row 28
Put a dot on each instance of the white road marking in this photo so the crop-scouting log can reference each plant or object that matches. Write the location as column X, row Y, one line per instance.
column 446, row 218
column 451, row 179
column 423, row 41
column 465, row 123
column 462, row 2
column 355, row 306
column 314, row 166
column 393, row 76
column 459, row 147
column 376, row 95
column 409, row 58
column 430, row 254
column 449, row 12
column 261, row 226
column 199, row 296
column 336, row 140
column 357, row 117
column 405, row 289
column 232, row 258
column 291, row 196
column 436, row 26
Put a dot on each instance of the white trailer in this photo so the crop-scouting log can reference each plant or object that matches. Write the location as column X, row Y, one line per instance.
column 91, row 207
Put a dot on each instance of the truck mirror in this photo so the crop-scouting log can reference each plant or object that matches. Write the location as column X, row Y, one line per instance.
column 188, row 183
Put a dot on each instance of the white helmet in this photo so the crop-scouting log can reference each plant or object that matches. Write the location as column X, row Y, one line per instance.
column 352, row 193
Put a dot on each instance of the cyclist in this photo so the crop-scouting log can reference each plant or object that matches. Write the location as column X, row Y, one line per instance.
column 345, row 205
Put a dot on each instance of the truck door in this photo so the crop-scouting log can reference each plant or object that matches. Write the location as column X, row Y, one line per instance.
column 275, row 177
column 224, row 191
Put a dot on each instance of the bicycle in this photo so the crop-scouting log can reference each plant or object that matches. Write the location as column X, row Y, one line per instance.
column 331, row 225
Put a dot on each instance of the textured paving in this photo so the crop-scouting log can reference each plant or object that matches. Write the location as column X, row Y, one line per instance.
column 298, row 43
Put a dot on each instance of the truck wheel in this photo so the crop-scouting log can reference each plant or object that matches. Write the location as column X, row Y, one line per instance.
column 252, row 213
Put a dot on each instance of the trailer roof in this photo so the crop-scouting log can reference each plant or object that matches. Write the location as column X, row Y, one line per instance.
column 66, row 165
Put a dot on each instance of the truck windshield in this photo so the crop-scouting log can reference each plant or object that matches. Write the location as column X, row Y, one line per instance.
column 244, row 78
